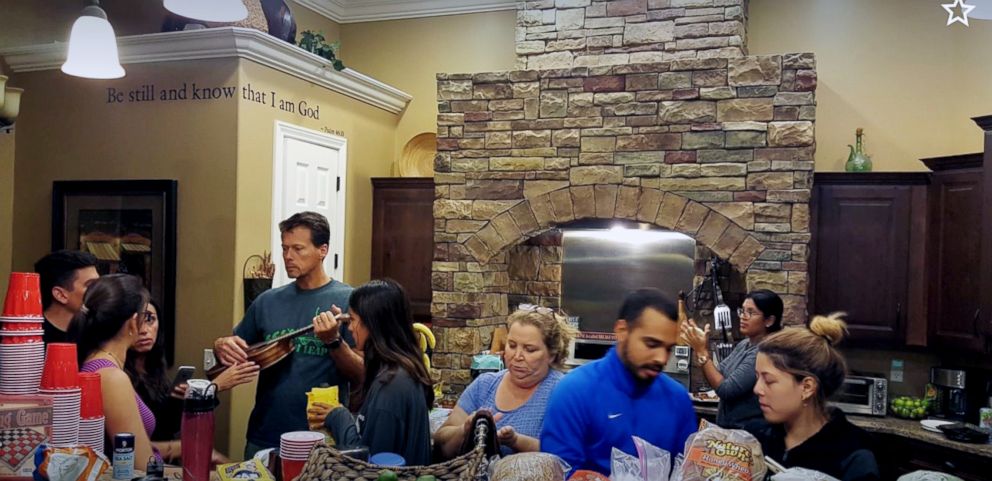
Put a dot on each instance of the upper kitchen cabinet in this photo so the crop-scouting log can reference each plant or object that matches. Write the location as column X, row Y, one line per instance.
column 403, row 237
column 869, row 246
column 985, row 315
column 954, row 252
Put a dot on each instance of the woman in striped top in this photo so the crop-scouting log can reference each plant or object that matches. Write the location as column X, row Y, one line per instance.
column 105, row 328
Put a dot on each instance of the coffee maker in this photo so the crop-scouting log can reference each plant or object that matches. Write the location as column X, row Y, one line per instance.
column 951, row 402
column 961, row 393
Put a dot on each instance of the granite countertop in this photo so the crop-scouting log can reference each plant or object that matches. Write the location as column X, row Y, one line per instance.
column 911, row 429
column 894, row 426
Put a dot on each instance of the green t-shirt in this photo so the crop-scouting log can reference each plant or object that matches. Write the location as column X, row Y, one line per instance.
column 280, row 401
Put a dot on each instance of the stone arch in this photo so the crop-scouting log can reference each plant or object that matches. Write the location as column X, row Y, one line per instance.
column 667, row 210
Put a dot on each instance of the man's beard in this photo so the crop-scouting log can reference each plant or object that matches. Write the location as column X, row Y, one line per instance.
column 634, row 369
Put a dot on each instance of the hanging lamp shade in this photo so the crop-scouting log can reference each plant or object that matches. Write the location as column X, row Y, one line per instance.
column 12, row 105
column 982, row 10
column 209, row 10
column 93, row 47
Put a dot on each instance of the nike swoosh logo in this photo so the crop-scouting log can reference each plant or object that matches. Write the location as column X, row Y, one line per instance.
column 614, row 416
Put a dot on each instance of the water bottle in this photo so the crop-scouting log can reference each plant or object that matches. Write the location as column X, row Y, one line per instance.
column 198, row 429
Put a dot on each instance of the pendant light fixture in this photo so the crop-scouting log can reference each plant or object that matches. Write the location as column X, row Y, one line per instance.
column 93, row 46
column 982, row 10
column 209, row 10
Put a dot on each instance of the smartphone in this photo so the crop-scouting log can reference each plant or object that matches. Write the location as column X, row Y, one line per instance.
column 184, row 374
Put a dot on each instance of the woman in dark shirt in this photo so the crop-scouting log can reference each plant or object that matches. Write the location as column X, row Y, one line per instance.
column 798, row 369
column 398, row 388
column 733, row 380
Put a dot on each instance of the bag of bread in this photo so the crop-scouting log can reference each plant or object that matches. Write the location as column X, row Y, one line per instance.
column 529, row 467
column 717, row 454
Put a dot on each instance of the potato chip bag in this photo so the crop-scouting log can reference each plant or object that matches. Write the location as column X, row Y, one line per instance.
column 247, row 470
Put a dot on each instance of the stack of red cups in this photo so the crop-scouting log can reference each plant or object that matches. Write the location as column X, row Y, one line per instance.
column 60, row 381
column 22, row 349
column 92, row 422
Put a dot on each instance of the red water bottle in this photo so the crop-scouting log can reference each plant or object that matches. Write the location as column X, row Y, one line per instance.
column 198, row 429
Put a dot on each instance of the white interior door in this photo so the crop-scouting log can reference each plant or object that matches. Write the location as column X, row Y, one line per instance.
column 309, row 175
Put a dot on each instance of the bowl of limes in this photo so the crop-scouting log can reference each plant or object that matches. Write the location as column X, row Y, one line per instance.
column 907, row 407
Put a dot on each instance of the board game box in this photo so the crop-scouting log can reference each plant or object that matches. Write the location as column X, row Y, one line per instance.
column 25, row 424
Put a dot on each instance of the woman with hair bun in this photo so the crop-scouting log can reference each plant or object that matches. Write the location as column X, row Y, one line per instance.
column 798, row 370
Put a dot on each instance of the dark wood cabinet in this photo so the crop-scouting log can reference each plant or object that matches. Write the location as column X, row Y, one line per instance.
column 403, row 237
column 954, row 252
column 985, row 289
column 869, row 255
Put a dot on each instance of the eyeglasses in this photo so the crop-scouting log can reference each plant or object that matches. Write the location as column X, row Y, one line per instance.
column 535, row 308
column 742, row 313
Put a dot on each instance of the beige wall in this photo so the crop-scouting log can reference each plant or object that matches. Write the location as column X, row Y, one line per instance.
column 408, row 54
column 6, row 205
column 890, row 66
column 66, row 130
column 307, row 19
column 369, row 132
column 31, row 22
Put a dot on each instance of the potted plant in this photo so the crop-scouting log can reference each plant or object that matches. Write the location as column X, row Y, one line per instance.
column 315, row 43
column 257, row 272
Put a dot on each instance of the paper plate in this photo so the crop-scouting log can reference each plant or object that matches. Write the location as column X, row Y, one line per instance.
column 934, row 424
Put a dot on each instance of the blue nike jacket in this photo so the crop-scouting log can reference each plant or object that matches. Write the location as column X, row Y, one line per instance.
column 599, row 406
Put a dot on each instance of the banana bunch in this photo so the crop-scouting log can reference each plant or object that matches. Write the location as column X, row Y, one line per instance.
column 426, row 340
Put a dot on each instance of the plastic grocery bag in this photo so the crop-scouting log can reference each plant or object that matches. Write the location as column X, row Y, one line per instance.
column 624, row 467
column 651, row 464
column 802, row 474
column 656, row 463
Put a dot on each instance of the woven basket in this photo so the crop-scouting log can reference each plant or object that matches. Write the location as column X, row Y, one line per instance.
column 328, row 464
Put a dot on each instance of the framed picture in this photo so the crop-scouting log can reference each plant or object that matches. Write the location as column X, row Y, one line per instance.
column 130, row 226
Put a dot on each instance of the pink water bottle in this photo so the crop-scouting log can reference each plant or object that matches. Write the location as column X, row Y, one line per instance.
column 198, row 429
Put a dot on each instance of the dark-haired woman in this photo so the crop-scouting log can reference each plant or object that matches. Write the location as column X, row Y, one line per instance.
column 798, row 370
column 146, row 366
column 733, row 380
column 105, row 328
column 398, row 389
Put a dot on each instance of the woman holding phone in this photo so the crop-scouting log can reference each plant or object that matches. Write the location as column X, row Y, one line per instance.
column 147, row 368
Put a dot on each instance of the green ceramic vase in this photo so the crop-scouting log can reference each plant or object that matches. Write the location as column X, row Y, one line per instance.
column 858, row 160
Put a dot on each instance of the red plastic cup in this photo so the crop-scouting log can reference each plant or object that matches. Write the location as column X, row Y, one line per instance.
column 91, row 405
column 21, row 326
column 21, row 337
column 23, row 295
column 61, row 368
column 291, row 469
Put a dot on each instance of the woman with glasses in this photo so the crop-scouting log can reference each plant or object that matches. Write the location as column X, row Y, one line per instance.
column 398, row 391
column 733, row 380
column 535, row 352
column 146, row 367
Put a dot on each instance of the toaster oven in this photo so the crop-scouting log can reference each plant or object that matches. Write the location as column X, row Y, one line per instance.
column 863, row 395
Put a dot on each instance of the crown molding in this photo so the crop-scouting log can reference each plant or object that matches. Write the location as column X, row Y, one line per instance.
column 225, row 42
column 355, row 11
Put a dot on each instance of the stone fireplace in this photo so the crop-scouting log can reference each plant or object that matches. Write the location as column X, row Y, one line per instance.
column 640, row 110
